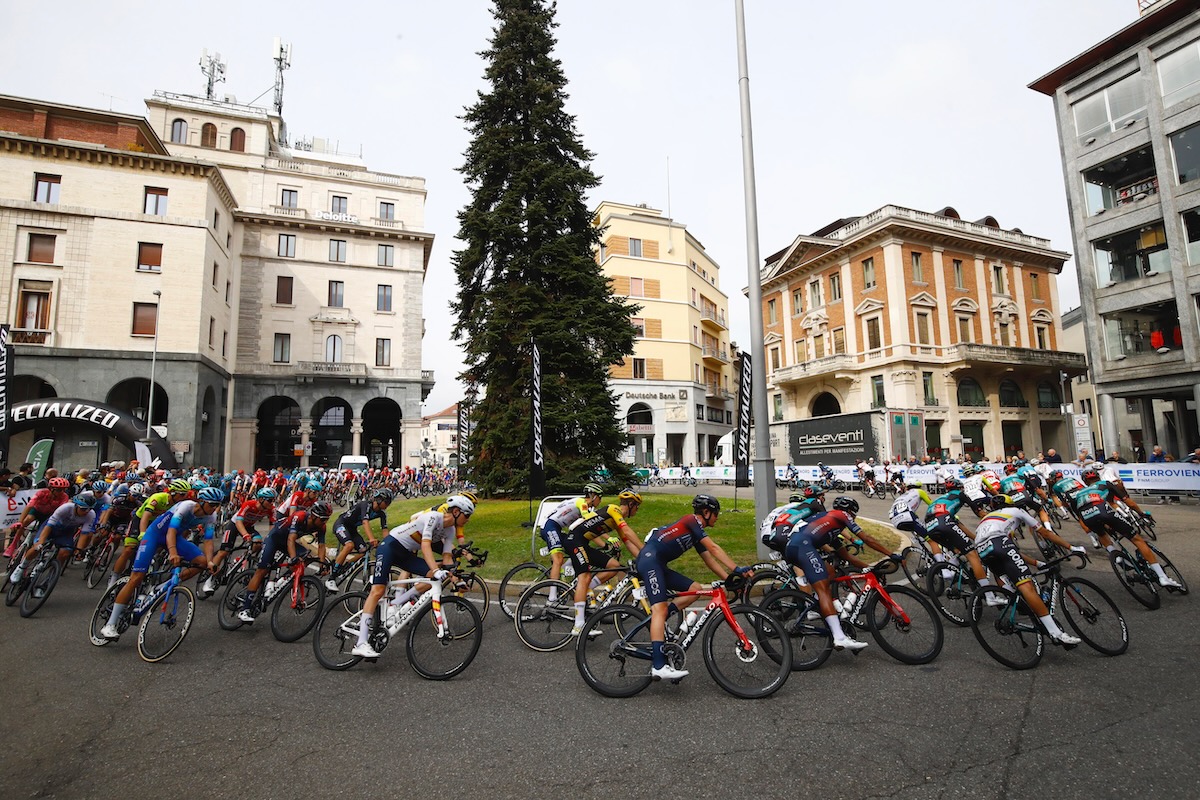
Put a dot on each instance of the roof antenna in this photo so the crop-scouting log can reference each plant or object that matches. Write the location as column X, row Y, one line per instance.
column 214, row 69
column 281, row 54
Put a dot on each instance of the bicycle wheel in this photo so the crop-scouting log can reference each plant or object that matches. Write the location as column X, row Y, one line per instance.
column 751, row 665
column 544, row 624
column 809, row 634
column 764, row 583
column 39, row 589
column 104, row 611
column 952, row 596
column 916, row 564
column 615, row 661
column 165, row 625
column 1005, row 628
column 1093, row 615
column 517, row 580
column 1171, row 570
column 13, row 591
column 440, row 657
column 337, row 631
column 475, row 591
column 1138, row 582
column 908, row 629
column 98, row 566
column 838, row 485
column 297, row 609
column 232, row 600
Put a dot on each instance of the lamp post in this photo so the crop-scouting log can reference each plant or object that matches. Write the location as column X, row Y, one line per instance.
column 153, row 360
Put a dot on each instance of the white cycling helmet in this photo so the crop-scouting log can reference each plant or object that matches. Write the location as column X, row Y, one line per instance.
column 462, row 503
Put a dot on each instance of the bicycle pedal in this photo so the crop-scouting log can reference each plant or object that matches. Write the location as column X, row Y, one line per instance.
column 371, row 660
column 676, row 681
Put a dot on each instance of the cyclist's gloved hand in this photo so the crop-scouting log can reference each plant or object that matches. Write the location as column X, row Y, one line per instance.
column 294, row 561
column 896, row 558
column 742, row 570
column 440, row 574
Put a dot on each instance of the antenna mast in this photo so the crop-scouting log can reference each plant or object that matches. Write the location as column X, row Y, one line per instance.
column 214, row 69
column 282, row 55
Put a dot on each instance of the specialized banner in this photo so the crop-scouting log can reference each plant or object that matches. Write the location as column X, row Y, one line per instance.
column 741, row 436
column 537, row 476
column 39, row 456
column 464, row 430
column 108, row 420
column 5, row 369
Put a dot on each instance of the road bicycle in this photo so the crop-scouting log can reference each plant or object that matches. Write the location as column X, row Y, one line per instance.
column 545, row 614
column 917, row 561
column 873, row 488
column 467, row 584
column 39, row 578
column 1011, row 634
column 1142, row 523
column 12, row 592
column 1136, row 575
column 901, row 620
column 744, row 648
column 521, row 577
column 298, row 599
column 163, row 611
column 950, row 589
column 443, row 631
column 107, row 543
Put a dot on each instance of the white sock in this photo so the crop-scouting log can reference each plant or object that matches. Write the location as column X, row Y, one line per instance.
column 405, row 597
column 835, row 627
column 1111, row 548
column 364, row 628
column 553, row 593
column 117, row 610
column 579, row 613
column 595, row 582
column 1158, row 570
column 985, row 581
column 1051, row 626
column 940, row 557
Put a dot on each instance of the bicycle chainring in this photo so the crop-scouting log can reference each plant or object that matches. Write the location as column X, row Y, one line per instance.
column 676, row 655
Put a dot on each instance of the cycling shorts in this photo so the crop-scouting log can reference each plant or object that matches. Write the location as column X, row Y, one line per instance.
column 131, row 533
column 154, row 539
column 551, row 534
column 911, row 524
column 947, row 532
column 658, row 578
column 584, row 557
column 231, row 536
column 1101, row 519
column 802, row 552
column 63, row 537
column 345, row 535
column 274, row 549
column 393, row 553
column 1000, row 554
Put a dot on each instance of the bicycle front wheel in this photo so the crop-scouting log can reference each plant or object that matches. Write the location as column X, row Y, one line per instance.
column 907, row 628
column 232, row 600
column 1005, row 628
column 98, row 566
column 1171, row 570
column 40, row 588
column 613, row 652
column 749, row 658
column 1137, row 581
column 337, row 631
column 1093, row 615
column 516, row 581
column 165, row 625
column 545, row 616
column 916, row 565
column 103, row 612
column 806, row 628
column 764, row 583
column 441, row 656
column 952, row 596
column 297, row 609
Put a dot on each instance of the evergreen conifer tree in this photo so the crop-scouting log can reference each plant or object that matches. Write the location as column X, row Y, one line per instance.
column 528, row 271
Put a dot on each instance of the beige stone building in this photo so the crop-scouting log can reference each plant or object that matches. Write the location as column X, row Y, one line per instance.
column 675, row 393
column 949, row 327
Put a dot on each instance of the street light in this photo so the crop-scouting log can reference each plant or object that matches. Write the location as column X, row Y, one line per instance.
column 153, row 360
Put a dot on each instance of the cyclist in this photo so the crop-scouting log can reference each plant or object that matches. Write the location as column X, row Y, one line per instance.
column 904, row 516
column 561, row 518
column 1108, row 474
column 948, row 532
column 61, row 527
column 170, row 530
column 664, row 546
column 147, row 512
column 100, row 489
column 400, row 549
column 283, row 536
column 351, row 522
column 242, row 524
column 993, row 541
column 39, row 508
column 308, row 491
column 1094, row 502
column 802, row 551
column 577, row 540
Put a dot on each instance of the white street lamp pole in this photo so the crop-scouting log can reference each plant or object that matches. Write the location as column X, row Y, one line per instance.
column 153, row 360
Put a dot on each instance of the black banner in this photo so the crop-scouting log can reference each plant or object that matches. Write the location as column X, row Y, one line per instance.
column 6, row 363
column 838, row 438
column 537, row 477
column 121, row 425
column 741, row 437
column 464, row 430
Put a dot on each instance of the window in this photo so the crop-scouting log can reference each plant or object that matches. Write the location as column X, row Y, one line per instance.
column 958, row 275
column 814, row 294
column 33, row 307
column 1011, row 395
column 337, row 250
column 1185, row 147
column 1179, row 74
column 1035, row 287
column 1128, row 178
column 1002, row 331
column 337, row 291
column 289, row 198
column 639, row 369
column 839, row 341
column 387, row 255
column 874, row 339
column 383, row 298
column 998, row 279
column 224, row 343
column 635, row 247
column 387, row 210
column 145, row 319
column 216, row 273
column 339, row 204
column 283, row 348
column 1041, row 336
column 772, row 317
column 179, row 132
column 287, row 245
column 383, row 352
column 237, row 140
column 1111, row 108
column 1191, row 229
column 149, row 257
column 41, row 248
column 970, row 393
column 1131, row 255
column 45, row 188
column 797, row 301
column 695, row 334
column 212, row 331
column 777, row 407
column 333, row 348
column 868, row 273
column 835, row 287
column 927, row 384
column 819, row 345
column 775, row 358
column 799, row 352
column 156, row 202
column 228, row 290
column 922, row 328
column 639, row 325
column 878, row 400
column 229, row 240
column 208, row 135
column 1048, row 396
column 637, row 287
column 918, row 274
column 964, row 329
column 216, row 220
column 283, row 290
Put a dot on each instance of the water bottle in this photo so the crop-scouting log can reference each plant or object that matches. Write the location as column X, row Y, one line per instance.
column 688, row 622
column 848, row 606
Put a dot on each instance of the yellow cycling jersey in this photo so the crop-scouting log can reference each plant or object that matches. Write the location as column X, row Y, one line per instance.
column 597, row 522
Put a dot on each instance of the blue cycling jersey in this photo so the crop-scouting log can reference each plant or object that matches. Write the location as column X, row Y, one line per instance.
column 183, row 516
column 672, row 541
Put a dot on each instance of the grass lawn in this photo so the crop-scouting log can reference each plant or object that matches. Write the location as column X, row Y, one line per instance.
column 496, row 527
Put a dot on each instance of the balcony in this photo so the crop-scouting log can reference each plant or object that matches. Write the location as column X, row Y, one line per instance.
column 713, row 391
column 800, row 372
column 713, row 317
column 30, row 336
column 290, row 211
column 1014, row 402
column 716, row 354
column 1021, row 356
column 330, row 369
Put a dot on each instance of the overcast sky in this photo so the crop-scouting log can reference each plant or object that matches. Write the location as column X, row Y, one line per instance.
column 920, row 103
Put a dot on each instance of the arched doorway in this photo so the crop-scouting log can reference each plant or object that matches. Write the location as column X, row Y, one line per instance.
column 29, row 387
column 640, row 422
column 381, row 440
column 133, row 395
column 278, row 434
column 331, row 438
column 209, row 430
column 825, row 404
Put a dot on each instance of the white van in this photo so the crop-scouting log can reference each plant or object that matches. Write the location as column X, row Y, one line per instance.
column 356, row 463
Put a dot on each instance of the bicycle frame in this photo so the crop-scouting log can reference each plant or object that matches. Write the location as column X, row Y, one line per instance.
column 432, row 595
column 718, row 601
column 873, row 584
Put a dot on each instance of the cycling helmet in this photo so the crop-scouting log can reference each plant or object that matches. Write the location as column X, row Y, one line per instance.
column 820, row 463
column 462, row 503
column 474, row 498
column 198, row 483
column 211, row 494
column 320, row 509
column 121, row 492
column 384, row 495
column 313, row 486
column 58, row 483
column 1055, row 476
column 100, row 487
column 847, row 504
column 1089, row 475
column 951, row 483
column 705, row 501
column 137, row 489
column 810, row 492
column 94, row 475
column 629, row 495
column 1001, row 500
column 266, row 493
column 914, row 483
column 84, row 500
column 795, row 497
column 179, row 486
column 1010, row 469
column 593, row 488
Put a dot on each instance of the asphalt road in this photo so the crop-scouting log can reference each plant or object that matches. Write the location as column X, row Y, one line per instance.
column 240, row 714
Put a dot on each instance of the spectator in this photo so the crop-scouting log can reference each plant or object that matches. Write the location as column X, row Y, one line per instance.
column 1194, row 458
column 1052, row 457
column 1085, row 458
column 1157, row 456
column 6, row 484
column 1115, row 458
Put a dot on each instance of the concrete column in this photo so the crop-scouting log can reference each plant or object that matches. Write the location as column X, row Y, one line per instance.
column 305, row 428
column 1109, row 437
column 1033, row 442
column 939, row 291
column 239, row 453
column 982, row 293
column 356, row 429
column 1149, row 433
column 1181, row 441
column 897, row 306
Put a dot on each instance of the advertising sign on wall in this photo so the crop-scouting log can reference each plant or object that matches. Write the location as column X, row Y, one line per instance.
column 840, row 437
